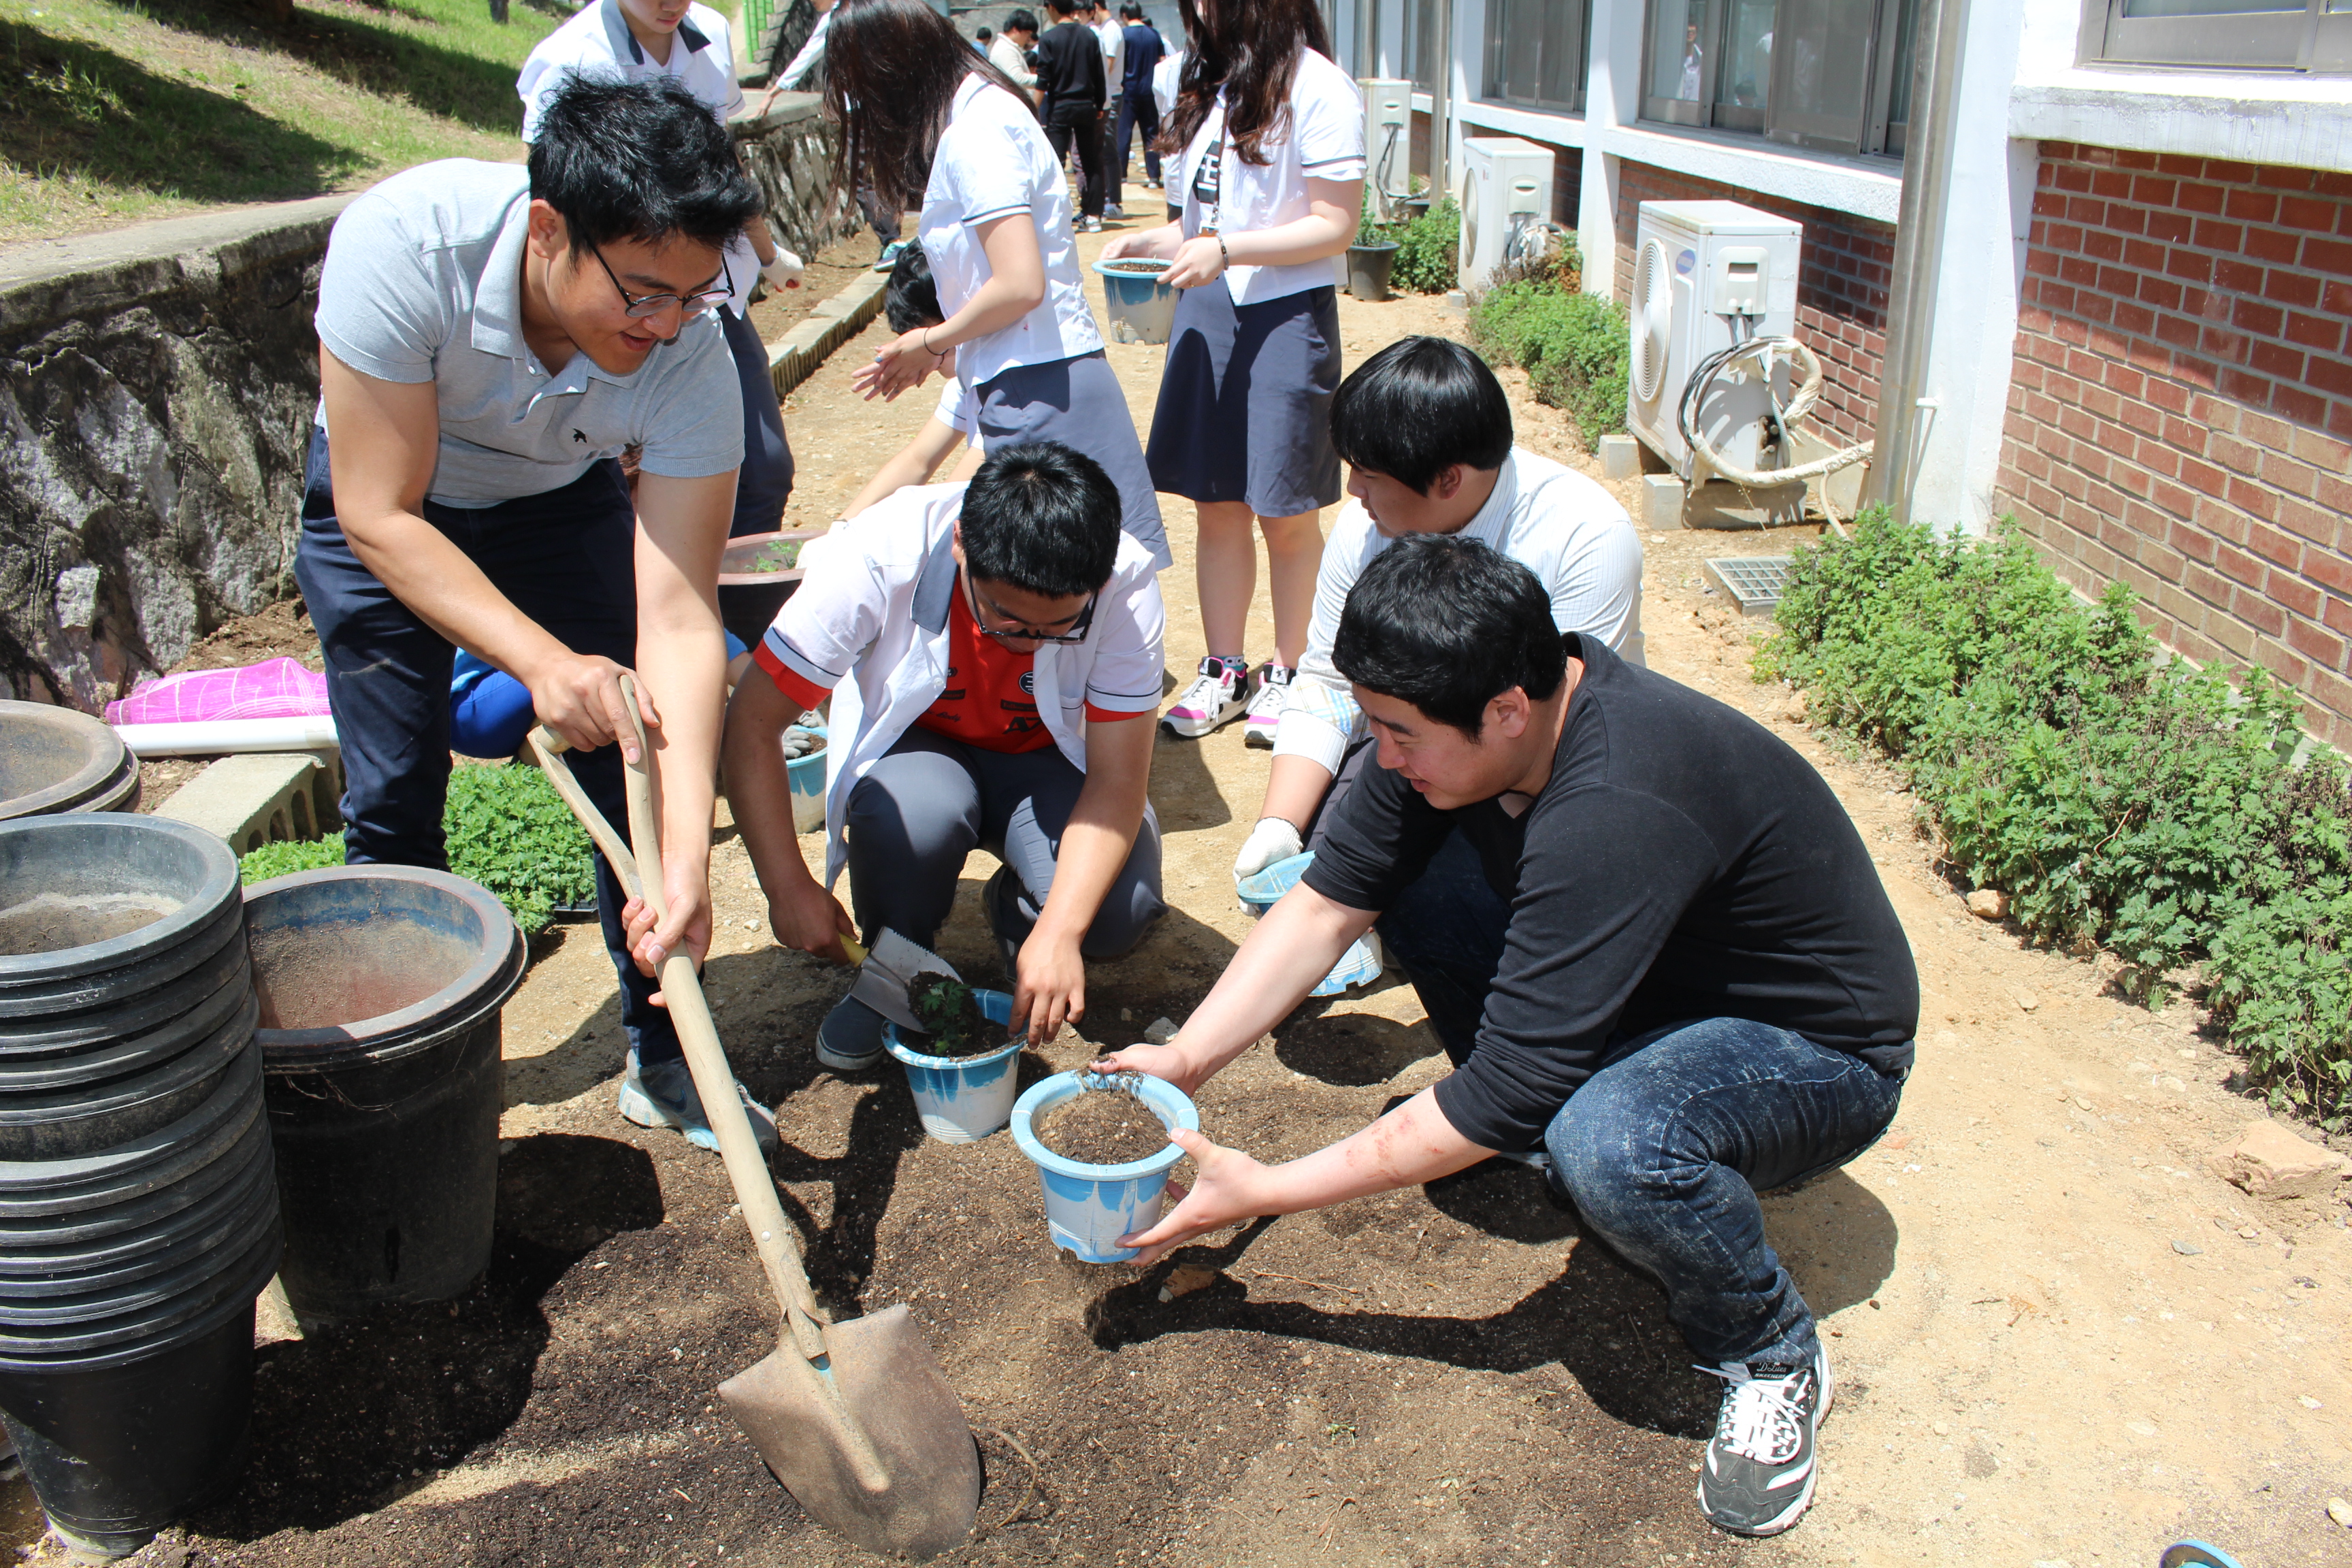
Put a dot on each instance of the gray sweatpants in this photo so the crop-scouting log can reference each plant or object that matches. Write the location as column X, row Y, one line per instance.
column 928, row 804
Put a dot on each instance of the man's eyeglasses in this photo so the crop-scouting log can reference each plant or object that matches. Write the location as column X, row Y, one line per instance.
column 1077, row 632
column 640, row 306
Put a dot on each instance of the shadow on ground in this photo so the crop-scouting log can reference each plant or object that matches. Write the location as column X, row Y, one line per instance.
column 350, row 1413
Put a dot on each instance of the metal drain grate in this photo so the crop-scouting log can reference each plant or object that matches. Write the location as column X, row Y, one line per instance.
column 1754, row 582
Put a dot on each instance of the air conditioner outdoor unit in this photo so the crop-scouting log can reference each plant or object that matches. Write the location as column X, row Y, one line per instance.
column 1388, row 145
column 1706, row 274
column 1506, row 205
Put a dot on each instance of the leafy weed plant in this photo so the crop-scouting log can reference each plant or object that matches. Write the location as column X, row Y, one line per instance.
column 507, row 830
column 2121, row 799
column 1573, row 346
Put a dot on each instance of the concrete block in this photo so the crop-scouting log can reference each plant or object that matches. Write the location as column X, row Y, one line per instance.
column 263, row 796
column 1662, row 502
column 1717, row 504
column 793, row 358
column 1621, row 458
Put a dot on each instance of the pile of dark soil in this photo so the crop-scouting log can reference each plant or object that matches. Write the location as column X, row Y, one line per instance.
column 1103, row 1127
column 949, row 1014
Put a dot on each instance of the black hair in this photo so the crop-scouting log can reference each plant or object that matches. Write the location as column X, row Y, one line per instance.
column 1448, row 624
column 1418, row 406
column 1021, row 22
column 1131, row 11
column 639, row 160
column 910, row 299
column 986, row 34
column 1247, row 50
column 1069, row 7
column 893, row 71
column 1041, row 517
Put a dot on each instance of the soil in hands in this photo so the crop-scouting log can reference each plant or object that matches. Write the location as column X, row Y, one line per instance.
column 1103, row 1127
column 950, row 1013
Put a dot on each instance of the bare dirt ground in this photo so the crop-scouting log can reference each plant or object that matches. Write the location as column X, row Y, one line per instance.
column 2059, row 1339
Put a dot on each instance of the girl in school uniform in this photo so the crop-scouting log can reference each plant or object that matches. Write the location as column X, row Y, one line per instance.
column 930, row 121
column 1271, row 133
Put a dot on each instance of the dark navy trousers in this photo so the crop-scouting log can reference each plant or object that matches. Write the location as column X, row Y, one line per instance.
column 565, row 559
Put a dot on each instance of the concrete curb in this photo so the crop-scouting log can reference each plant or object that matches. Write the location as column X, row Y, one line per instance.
column 259, row 798
column 794, row 357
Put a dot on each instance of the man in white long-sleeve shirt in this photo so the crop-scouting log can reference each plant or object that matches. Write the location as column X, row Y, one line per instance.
column 1425, row 429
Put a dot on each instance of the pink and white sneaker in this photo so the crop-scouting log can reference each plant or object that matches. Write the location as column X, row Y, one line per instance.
column 1265, row 715
column 1214, row 699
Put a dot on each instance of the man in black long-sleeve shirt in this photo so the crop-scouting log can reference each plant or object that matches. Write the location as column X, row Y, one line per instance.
column 1648, row 936
column 1070, row 73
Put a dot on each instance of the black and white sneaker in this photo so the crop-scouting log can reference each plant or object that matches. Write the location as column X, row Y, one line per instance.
column 1759, row 1474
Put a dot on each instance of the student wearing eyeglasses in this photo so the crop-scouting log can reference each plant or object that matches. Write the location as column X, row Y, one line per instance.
column 491, row 336
column 992, row 654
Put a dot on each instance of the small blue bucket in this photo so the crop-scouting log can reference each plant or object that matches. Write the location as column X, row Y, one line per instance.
column 1089, row 1208
column 963, row 1099
column 1143, row 309
column 806, row 775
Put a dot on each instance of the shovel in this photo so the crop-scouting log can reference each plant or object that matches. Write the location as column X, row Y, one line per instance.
column 885, row 970
column 854, row 1419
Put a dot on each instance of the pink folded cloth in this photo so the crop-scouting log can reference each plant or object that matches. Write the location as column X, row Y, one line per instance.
column 274, row 688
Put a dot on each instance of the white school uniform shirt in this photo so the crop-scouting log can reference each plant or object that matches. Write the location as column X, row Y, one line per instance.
column 1167, row 79
column 1113, row 35
column 993, row 160
column 1324, row 141
column 1553, row 521
column 869, row 624
column 1007, row 55
column 597, row 41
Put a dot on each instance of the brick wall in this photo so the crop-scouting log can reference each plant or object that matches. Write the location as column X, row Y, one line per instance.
column 1844, row 268
column 2181, row 406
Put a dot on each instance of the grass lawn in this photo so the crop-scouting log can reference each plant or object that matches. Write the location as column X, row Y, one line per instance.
column 112, row 110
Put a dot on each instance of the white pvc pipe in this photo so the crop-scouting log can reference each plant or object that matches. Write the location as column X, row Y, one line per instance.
column 217, row 737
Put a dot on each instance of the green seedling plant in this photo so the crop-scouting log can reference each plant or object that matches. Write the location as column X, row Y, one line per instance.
column 949, row 1011
column 2123, row 799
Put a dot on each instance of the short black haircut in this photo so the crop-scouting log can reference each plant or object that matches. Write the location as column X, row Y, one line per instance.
column 1448, row 624
column 639, row 160
column 1021, row 22
column 1069, row 7
column 1418, row 408
column 986, row 34
column 1041, row 517
column 911, row 299
column 1131, row 11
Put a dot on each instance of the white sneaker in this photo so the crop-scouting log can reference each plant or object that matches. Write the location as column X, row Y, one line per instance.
column 1214, row 700
column 1759, row 1470
column 1266, row 705
column 1113, row 210
column 1090, row 225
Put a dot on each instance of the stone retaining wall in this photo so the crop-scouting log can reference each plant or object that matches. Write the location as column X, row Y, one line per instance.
column 158, row 394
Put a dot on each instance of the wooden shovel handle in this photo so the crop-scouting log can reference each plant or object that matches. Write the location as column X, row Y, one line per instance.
column 706, row 1058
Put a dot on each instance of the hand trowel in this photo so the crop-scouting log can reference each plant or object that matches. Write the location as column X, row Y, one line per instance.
column 885, row 970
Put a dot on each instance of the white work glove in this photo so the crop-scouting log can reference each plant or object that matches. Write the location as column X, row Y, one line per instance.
column 784, row 271
column 1271, row 840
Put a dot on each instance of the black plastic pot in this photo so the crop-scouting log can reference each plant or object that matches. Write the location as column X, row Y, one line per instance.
column 152, row 1012
column 117, row 1452
column 100, row 908
column 223, row 1165
column 57, row 760
column 31, row 1189
column 380, row 990
column 149, row 1318
column 1368, row 269
column 94, row 1261
column 749, row 600
column 86, row 1118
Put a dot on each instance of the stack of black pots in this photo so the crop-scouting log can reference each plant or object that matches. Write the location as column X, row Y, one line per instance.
column 138, row 1200
column 54, row 759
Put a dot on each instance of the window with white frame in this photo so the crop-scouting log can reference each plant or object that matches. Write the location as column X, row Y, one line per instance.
column 1536, row 52
column 1410, row 53
column 1833, row 75
column 2275, row 34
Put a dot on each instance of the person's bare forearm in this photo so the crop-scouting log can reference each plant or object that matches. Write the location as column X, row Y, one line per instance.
column 1293, row 946
column 1100, row 834
column 1412, row 1144
column 759, row 784
column 999, row 303
column 1294, row 790
column 1318, row 236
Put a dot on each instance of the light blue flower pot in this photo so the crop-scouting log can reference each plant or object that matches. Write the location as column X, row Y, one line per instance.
column 1143, row 309
column 963, row 1099
column 807, row 777
column 1089, row 1208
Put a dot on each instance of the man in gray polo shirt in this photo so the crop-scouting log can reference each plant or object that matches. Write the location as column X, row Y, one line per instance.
column 491, row 338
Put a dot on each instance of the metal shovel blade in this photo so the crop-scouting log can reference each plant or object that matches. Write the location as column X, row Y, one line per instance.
column 872, row 1442
column 890, row 965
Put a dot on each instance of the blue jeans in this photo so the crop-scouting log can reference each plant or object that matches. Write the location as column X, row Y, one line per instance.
column 565, row 559
column 1664, row 1149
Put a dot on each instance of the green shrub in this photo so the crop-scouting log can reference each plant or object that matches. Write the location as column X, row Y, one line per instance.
column 1572, row 345
column 1427, row 247
column 507, row 830
column 286, row 856
column 2120, row 800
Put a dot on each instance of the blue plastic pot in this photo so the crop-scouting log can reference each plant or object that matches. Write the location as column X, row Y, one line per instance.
column 807, row 777
column 963, row 1099
column 1143, row 309
column 1089, row 1208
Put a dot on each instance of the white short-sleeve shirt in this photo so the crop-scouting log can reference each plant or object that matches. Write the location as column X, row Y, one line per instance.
column 597, row 41
column 1325, row 140
column 993, row 159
